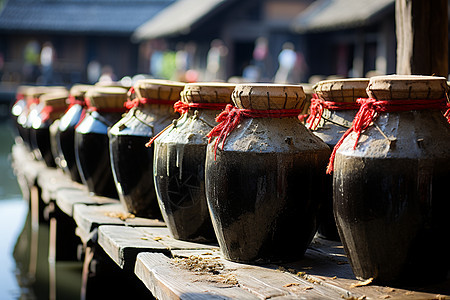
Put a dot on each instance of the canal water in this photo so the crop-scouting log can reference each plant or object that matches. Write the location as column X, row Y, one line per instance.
column 24, row 266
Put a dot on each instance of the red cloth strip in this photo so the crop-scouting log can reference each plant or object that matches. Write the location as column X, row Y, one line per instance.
column 230, row 118
column 318, row 105
column 371, row 108
column 183, row 107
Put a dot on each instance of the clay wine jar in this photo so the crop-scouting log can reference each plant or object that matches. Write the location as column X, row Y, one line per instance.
column 179, row 164
column 52, row 105
column 390, row 190
column 265, row 186
column 151, row 111
column 65, row 134
column 337, row 100
column 105, row 108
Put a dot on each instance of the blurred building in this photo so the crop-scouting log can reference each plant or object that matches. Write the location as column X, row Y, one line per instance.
column 82, row 33
column 217, row 39
column 349, row 38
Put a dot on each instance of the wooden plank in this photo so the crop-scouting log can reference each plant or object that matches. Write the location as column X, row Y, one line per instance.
column 24, row 165
column 163, row 236
column 89, row 217
column 326, row 264
column 52, row 180
column 67, row 198
column 422, row 37
column 168, row 281
column 268, row 281
column 123, row 244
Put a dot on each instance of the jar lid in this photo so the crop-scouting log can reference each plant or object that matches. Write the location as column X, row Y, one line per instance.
column 79, row 90
column 207, row 92
column 342, row 90
column 107, row 97
column 35, row 92
column 159, row 89
column 407, row 87
column 55, row 99
column 265, row 96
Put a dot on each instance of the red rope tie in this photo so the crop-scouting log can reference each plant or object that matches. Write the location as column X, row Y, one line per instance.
column 230, row 118
column 138, row 101
column 134, row 101
column 182, row 108
column 369, row 111
column 318, row 105
column 48, row 110
column 447, row 113
column 74, row 101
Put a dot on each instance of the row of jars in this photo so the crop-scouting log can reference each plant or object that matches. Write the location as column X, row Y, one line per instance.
column 234, row 164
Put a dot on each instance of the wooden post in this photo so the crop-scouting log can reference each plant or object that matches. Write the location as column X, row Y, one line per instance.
column 422, row 37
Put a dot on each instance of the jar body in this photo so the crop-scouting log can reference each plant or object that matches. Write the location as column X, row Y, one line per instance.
column 54, row 136
column 179, row 175
column 331, row 127
column 92, row 153
column 66, row 141
column 17, row 109
column 41, row 140
column 390, row 198
column 266, row 184
column 132, row 161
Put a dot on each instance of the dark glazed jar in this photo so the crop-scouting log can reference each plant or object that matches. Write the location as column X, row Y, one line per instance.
column 18, row 108
column 65, row 134
column 179, row 163
column 390, row 185
column 151, row 111
column 332, row 111
column 53, row 107
column 105, row 108
column 29, row 113
column 264, row 181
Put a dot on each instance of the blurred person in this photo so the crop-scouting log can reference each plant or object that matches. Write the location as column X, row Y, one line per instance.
column 94, row 71
column 47, row 58
column 260, row 54
column 286, row 60
column 215, row 61
column 181, row 62
column 107, row 74
column 30, row 69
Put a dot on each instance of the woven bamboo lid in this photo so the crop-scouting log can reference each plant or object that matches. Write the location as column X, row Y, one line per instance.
column 404, row 87
column 107, row 97
column 207, row 92
column 342, row 90
column 266, row 96
column 55, row 99
column 34, row 93
column 158, row 89
column 79, row 90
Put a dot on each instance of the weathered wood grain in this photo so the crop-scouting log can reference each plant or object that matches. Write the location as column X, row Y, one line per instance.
column 67, row 198
column 123, row 243
column 90, row 217
column 168, row 281
column 422, row 37
column 163, row 236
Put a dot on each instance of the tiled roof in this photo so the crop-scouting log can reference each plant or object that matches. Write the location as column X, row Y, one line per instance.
column 327, row 15
column 119, row 17
column 177, row 19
